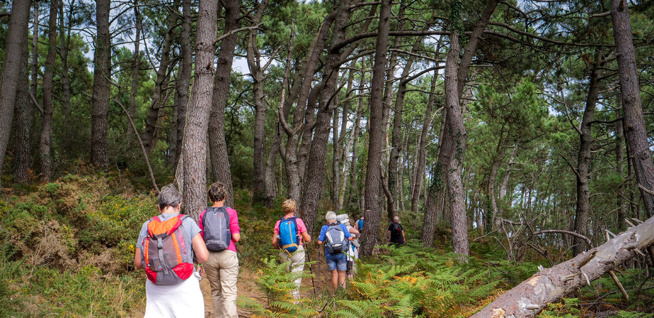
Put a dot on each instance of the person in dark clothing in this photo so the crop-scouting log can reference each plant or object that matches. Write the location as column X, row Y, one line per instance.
column 396, row 232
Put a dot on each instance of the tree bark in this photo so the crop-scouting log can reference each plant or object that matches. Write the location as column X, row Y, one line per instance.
column 549, row 285
column 24, row 120
column 619, row 158
column 293, row 155
column 584, row 158
column 257, row 74
column 493, row 222
column 218, row 144
column 184, row 77
column 631, row 102
column 65, row 35
column 315, row 171
column 199, row 108
column 48, row 107
column 17, row 35
column 155, row 113
column 422, row 152
column 373, row 175
column 135, row 73
column 101, row 85
column 459, row 139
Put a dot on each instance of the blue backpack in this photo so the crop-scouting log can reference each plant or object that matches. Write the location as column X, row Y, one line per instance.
column 288, row 233
column 360, row 224
column 217, row 234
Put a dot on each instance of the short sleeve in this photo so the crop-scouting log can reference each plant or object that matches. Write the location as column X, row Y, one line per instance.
column 323, row 231
column 301, row 228
column 345, row 230
column 142, row 234
column 233, row 221
column 401, row 228
column 277, row 227
column 193, row 228
column 390, row 227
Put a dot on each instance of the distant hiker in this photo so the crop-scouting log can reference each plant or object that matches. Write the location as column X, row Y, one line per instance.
column 360, row 223
column 396, row 232
column 165, row 248
column 289, row 234
column 336, row 237
column 353, row 250
column 220, row 231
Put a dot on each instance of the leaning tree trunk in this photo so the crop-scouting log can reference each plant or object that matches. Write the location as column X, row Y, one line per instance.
column 194, row 147
column 584, row 158
column 48, row 107
column 17, row 35
column 135, row 73
column 619, row 158
column 422, row 152
column 549, row 285
column 257, row 74
column 155, row 113
column 315, row 171
column 635, row 130
column 373, row 175
column 101, row 88
column 457, row 132
column 218, row 144
column 24, row 121
column 184, row 77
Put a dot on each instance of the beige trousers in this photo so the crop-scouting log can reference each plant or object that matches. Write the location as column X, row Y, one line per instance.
column 296, row 266
column 222, row 273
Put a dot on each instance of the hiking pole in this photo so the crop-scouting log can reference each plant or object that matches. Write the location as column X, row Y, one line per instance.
column 308, row 254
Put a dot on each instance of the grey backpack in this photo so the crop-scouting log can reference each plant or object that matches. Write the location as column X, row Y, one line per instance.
column 217, row 235
column 336, row 241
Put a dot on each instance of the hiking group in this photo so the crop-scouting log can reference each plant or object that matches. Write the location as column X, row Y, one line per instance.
column 169, row 244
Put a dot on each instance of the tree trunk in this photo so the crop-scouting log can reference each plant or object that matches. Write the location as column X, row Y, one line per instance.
column 24, row 120
column 17, row 35
column 48, row 107
column 507, row 176
column 584, row 158
column 619, row 158
column 630, row 95
column 294, row 155
column 315, row 170
column 218, row 144
column 135, row 72
column 455, row 169
column 494, row 222
column 65, row 75
column 184, row 77
column 373, row 175
column 422, row 154
column 355, row 146
column 101, row 86
column 155, row 113
column 257, row 74
column 199, row 108
column 549, row 285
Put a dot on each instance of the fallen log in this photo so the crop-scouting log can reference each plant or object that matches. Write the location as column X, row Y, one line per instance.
column 551, row 284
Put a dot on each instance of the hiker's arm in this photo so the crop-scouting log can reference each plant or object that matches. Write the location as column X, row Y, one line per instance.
column 274, row 241
column 306, row 237
column 200, row 249
column 236, row 237
column 403, row 238
column 388, row 235
column 137, row 258
column 354, row 231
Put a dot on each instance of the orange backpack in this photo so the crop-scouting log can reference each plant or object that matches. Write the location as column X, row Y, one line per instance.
column 168, row 258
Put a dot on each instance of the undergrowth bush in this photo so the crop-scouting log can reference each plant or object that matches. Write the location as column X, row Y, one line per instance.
column 407, row 282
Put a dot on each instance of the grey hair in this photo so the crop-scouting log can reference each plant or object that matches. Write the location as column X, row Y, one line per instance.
column 169, row 196
column 396, row 218
column 330, row 216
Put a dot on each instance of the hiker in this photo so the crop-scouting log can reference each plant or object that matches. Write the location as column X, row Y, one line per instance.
column 396, row 232
column 173, row 287
column 352, row 252
column 336, row 237
column 220, row 231
column 291, row 232
column 360, row 223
